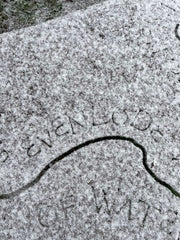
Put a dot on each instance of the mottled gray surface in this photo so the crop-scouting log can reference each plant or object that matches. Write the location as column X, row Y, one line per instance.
column 112, row 69
column 22, row 13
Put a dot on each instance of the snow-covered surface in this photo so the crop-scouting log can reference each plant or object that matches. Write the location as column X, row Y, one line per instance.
column 112, row 69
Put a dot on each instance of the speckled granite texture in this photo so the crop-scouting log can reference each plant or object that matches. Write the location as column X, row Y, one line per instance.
column 17, row 14
column 112, row 69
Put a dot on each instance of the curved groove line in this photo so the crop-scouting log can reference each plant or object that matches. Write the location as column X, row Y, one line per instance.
column 176, row 32
column 92, row 141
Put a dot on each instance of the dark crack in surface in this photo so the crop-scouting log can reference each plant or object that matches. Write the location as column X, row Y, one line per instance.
column 82, row 145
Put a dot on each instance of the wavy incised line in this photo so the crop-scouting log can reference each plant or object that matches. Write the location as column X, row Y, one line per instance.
column 176, row 31
column 74, row 149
